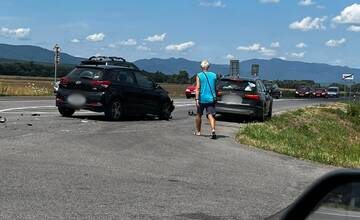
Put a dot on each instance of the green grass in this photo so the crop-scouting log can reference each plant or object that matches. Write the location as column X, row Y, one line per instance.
column 326, row 134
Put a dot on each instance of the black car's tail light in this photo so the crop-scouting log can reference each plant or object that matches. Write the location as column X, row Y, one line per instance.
column 64, row 81
column 98, row 83
column 252, row 97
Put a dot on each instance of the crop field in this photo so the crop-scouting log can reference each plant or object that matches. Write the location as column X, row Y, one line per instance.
column 42, row 86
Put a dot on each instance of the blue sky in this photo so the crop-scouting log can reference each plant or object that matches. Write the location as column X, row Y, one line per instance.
column 326, row 31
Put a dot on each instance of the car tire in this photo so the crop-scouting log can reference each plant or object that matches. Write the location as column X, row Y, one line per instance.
column 165, row 113
column 269, row 115
column 114, row 111
column 261, row 117
column 66, row 112
column 188, row 96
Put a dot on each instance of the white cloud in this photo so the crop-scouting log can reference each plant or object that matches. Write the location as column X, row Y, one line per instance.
column 254, row 47
column 143, row 48
column 128, row 42
column 213, row 4
column 306, row 2
column 307, row 24
column 229, row 57
column 301, row 45
column 75, row 40
column 267, row 52
column 350, row 15
column 112, row 45
column 156, row 38
column 275, row 44
column 335, row 43
column 258, row 48
column 180, row 47
column 298, row 55
column 282, row 58
column 354, row 28
column 269, row 1
column 98, row 37
column 19, row 33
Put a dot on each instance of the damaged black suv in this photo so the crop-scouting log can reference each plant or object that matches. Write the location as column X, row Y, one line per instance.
column 113, row 86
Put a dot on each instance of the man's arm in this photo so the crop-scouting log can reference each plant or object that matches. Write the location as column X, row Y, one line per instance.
column 197, row 90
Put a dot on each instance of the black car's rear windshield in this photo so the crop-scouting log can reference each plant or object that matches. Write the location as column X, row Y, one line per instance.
column 86, row 73
column 239, row 85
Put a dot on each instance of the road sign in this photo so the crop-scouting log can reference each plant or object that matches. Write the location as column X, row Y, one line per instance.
column 255, row 69
column 348, row 76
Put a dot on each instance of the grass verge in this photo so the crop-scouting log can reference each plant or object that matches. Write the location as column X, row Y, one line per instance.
column 328, row 134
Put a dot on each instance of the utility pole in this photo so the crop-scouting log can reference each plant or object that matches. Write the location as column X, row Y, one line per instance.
column 57, row 50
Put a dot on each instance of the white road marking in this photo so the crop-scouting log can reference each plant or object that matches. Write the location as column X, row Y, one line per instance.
column 28, row 107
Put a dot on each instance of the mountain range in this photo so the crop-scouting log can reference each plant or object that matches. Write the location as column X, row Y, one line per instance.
column 273, row 69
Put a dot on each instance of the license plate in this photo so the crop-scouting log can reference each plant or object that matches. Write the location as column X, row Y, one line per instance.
column 301, row 94
column 192, row 93
column 76, row 100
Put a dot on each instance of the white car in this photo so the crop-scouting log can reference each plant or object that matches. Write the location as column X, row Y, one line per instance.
column 333, row 92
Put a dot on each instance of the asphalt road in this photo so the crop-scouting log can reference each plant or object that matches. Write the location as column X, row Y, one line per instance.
column 87, row 168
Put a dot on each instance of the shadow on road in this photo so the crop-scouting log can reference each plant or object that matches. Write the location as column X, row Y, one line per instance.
column 103, row 119
column 234, row 119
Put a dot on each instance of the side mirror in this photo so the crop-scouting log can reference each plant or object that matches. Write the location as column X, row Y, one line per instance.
column 156, row 86
column 335, row 194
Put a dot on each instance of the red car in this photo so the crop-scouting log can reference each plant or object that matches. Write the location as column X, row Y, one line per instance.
column 190, row 91
column 320, row 93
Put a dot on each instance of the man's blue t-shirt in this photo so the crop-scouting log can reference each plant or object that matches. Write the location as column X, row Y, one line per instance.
column 207, row 93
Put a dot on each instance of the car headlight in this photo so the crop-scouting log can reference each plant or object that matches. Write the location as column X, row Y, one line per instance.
column 297, row 92
column 306, row 92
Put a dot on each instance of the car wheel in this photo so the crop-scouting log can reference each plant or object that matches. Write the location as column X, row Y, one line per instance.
column 261, row 116
column 165, row 113
column 269, row 115
column 66, row 112
column 188, row 96
column 114, row 111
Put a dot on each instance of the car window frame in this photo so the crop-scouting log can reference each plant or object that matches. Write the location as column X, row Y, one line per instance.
column 137, row 81
column 120, row 82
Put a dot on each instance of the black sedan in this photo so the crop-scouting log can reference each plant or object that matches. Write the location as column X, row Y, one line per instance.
column 244, row 96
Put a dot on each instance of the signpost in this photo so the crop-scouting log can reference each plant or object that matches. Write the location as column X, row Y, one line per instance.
column 234, row 67
column 347, row 77
column 57, row 50
column 255, row 70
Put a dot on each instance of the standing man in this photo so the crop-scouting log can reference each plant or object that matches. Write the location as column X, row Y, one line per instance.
column 205, row 97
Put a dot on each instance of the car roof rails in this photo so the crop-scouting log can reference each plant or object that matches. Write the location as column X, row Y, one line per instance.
column 108, row 61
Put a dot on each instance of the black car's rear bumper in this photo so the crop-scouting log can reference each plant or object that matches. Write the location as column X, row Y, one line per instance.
column 238, row 109
column 95, row 101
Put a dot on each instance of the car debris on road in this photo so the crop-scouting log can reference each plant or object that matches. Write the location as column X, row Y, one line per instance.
column 2, row 119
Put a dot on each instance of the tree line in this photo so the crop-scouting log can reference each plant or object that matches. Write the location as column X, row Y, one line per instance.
column 183, row 77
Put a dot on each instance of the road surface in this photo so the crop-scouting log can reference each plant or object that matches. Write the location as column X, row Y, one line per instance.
column 87, row 168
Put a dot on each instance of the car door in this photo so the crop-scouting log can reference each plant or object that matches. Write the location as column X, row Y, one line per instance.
column 150, row 96
column 266, row 96
column 124, row 86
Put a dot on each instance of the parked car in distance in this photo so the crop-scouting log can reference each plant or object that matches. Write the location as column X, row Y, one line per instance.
column 333, row 92
column 274, row 90
column 244, row 96
column 320, row 93
column 304, row 92
column 113, row 86
column 190, row 91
